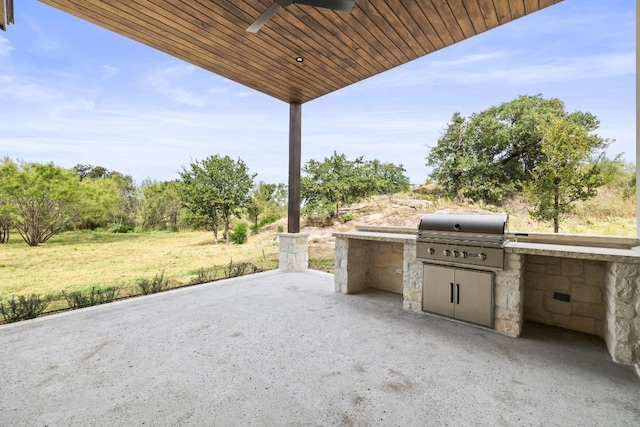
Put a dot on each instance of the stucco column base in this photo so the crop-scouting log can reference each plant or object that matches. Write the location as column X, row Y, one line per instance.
column 294, row 252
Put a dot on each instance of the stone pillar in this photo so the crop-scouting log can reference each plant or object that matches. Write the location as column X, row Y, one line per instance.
column 340, row 264
column 351, row 265
column 294, row 252
column 622, row 298
column 508, row 296
column 412, row 278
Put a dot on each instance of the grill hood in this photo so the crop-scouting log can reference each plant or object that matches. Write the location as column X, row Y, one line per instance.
column 465, row 223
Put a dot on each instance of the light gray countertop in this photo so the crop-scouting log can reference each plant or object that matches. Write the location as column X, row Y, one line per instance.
column 574, row 251
column 600, row 253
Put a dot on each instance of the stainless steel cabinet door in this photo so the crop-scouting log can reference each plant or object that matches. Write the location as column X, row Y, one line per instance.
column 465, row 295
column 474, row 296
column 437, row 291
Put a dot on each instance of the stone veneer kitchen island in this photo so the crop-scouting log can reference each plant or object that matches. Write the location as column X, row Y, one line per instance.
column 598, row 275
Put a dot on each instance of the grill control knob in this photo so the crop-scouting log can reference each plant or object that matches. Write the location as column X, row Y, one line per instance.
column 456, row 254
column 483, row 256
column 446, row 252
column 431, row 251
column 465, row 254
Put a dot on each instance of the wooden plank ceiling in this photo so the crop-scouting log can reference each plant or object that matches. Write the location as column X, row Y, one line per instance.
column 338, row 49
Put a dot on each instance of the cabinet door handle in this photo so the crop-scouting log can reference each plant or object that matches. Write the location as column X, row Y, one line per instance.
column 451, row 292
column 457, row 293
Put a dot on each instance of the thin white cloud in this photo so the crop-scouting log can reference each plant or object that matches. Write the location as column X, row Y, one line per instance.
column 72, row 106
column 514, row 70
column 474, row 58
column 165, row 82
column 5, row 47
column 26, row 89
column 42, row 41
column 161, row 81
column 551, row 70
column 109, row 71
column 244, row 94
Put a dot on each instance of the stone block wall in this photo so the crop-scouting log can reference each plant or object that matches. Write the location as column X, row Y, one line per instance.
column 351, row 265
column 412, row 278
column 622, row 304
column 385, row 266
column 371, row 260
column 356, row 259
column 340, row 265
column 583, row 280
column 508, row 291
column 293, row 252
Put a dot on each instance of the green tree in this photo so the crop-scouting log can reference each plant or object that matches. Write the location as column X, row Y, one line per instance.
column 128, row 199
column 337, row 181
column 491, row 154
column 214, row 190
column 386, row 178
column 160, row 205
column 7, row 209
column 329, row 184
column 267, row 204
column 452, row 156
column 568, row 172
column 100, row 202
column 5, row 220
column 45, row 198
column 110, row 198
column 89, row 171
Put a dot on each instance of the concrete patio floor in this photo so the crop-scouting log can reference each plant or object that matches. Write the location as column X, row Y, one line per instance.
column 282, row 349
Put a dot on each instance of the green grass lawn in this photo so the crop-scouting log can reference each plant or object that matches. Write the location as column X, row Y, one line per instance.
column 79, row 260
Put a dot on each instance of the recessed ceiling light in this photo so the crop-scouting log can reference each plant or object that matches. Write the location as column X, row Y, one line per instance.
column 299, row 59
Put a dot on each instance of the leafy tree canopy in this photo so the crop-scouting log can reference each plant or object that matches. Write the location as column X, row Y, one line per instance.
column 160, row 205
column 492, row 153
column 214, row 190
column 94, row 172
column 568, row 172
column 337, row 181
column 268, row 203
column 44, row 198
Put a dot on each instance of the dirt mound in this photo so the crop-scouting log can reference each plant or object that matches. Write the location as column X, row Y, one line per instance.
column 400, row 210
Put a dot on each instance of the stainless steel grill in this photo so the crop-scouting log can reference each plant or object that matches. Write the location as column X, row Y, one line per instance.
column 454, row 250
column 462, row 239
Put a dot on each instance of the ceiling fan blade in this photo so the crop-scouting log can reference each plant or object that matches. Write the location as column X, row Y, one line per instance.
column 262, row 19
column 340, row 5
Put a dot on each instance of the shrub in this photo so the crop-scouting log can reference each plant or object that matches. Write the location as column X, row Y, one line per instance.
column 23, row 308
column 346, row 217
column 239, row 233
column 155, row 285
column 120, row 228
column 203, row 276
column 268, row 219
column 240, row 269
column 97, row 295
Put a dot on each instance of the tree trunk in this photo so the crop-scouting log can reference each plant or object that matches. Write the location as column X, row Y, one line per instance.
column 556, row 209
column 226, row 218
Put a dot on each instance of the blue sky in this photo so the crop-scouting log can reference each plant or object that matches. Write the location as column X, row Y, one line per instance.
column 72, row 92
